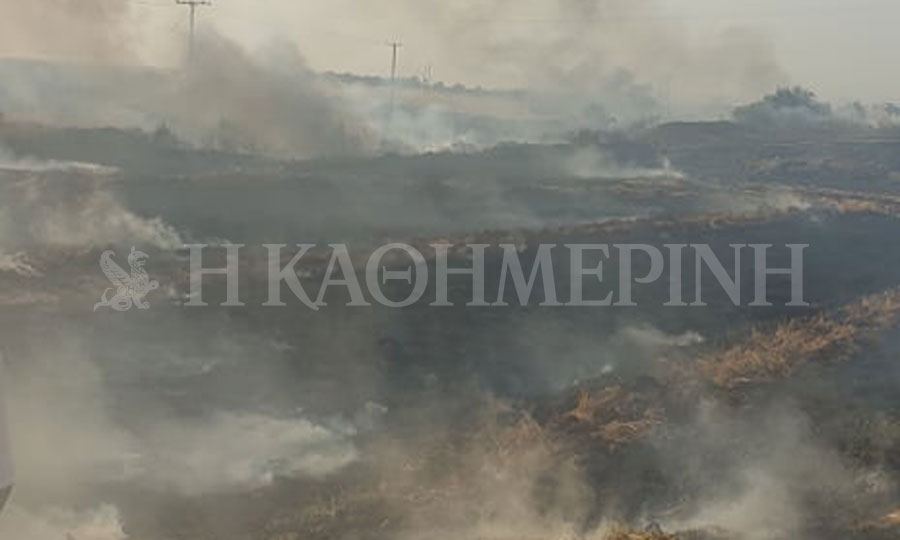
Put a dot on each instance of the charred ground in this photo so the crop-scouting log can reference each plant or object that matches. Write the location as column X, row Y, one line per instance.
column 525, row 422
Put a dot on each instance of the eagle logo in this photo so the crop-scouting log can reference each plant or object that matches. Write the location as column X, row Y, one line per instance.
column 130, row 289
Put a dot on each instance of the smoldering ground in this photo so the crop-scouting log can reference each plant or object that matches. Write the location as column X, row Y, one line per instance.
column 181, row 423
column 520, row 423
column 415, row 421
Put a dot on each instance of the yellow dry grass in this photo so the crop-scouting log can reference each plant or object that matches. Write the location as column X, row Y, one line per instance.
column 778, row 353
column 627, row 534
column 892, row 519
column 610, row 415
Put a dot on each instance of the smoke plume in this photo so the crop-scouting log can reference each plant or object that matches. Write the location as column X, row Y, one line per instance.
column 84, row 30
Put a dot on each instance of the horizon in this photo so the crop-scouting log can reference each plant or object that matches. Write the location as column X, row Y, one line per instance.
column 767, row 45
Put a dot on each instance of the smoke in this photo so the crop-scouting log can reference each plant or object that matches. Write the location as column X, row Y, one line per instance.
column 102, row 523
column 9, row 161
column 182, row 403
column 89, row 413
column 268, row 103
column 754, row 474
column 577, row 47
column 239, row 452
column 60, row 400
column 799, row 108
column 580, row 64
column 760, row 199
column 593, row 163
column 66, row 398
column 227, row 98
column 572, row 46
column 18, row 263
column 67, row 29
column 500, row 482
column 786, row 107
column 775, row 480
column 72, row 210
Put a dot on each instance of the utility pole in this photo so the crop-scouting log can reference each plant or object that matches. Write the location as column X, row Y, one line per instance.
column 192, row 4
column 395, row 47
column 427, row 79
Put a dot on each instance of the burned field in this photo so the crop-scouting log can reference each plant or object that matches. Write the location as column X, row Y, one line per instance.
column 518, row 422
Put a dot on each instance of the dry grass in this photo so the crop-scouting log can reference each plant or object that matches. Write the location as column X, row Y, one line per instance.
column 850, row 202
column 611, row 415
column 603, row 229
column 892, row 519
column 442, row 480
column 772, row 355
column 778, row 353
column 524, row 433
column 886, row 526
column 622, row 533
column 876, row 312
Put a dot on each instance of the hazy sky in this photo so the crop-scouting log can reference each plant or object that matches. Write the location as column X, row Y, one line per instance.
column 843, row 49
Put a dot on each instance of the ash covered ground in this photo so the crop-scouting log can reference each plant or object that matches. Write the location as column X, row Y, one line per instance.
column 522, row 422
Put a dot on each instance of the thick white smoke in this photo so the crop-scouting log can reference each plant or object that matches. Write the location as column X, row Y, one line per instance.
column 71, row 210
column 102, row 523
column 243, row 451
column 606, row 52
column 269, row 102
column 592, row 163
